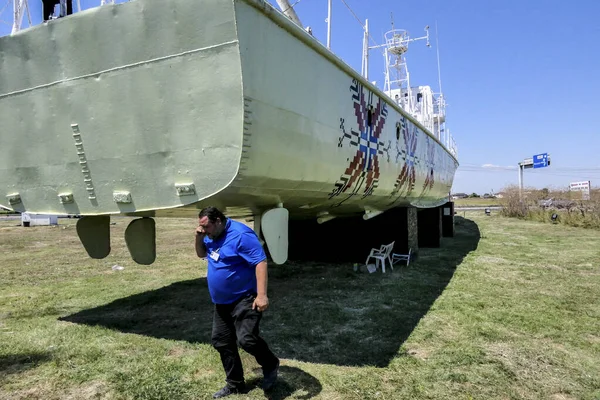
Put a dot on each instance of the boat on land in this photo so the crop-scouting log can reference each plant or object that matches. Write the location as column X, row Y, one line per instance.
column 151, row 108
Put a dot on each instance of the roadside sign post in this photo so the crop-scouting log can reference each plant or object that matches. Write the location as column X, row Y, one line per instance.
column 537, row 161
column 583, row 187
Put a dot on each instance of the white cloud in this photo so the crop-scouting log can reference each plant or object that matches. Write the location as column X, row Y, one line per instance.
column 494, row 166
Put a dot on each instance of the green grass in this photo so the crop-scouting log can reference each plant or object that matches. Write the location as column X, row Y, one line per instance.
column 476, row 202
column 507, row 309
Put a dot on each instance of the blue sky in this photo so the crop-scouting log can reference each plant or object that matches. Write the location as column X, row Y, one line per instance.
column 520, row 77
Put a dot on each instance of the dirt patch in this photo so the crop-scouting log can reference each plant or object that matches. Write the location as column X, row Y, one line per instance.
column 179, row 352
column 421, row 354
column 561, row 396
column 93, row 390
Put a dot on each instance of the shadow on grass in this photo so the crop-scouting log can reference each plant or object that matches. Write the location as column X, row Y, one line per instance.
column 20, row 362
column 320, row 313
column 291, row 381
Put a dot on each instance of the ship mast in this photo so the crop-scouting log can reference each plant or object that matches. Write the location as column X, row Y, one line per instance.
column 427, row 107
column 396, row 68
column 329, row 24
column 289, row 11
column 20, row 7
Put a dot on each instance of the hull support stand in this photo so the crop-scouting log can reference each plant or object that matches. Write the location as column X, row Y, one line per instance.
column 430, row 227
column 448, row 219
column 350, row 239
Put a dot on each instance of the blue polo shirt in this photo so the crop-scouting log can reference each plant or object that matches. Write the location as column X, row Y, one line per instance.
column 232, row 274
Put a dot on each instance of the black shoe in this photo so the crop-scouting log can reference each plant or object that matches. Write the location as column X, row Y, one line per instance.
column 270, row 377
column 228, row 390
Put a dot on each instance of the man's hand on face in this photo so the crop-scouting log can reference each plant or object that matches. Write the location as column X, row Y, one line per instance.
column 200, row 231
column 261, row 303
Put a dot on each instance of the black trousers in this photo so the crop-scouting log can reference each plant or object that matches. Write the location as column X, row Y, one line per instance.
column 234, row 324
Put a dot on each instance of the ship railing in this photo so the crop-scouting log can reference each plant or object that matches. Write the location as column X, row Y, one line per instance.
column 439, row 104
column 452, row 147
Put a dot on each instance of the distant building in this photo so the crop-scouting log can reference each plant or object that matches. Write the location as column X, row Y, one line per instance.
column 459, row 196
column 38, row 219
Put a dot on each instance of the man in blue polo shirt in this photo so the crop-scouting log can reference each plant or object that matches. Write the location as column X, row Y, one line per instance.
column 237, row 282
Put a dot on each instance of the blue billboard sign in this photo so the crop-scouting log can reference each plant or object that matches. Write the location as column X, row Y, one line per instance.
column 540, row 160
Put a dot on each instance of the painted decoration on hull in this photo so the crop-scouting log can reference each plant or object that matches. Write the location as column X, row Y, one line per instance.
column 416, row 154
column 430, row 165
column 362, row 174
column 405, row 182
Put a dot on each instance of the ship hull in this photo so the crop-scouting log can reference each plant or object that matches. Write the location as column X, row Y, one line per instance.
column 226, row 99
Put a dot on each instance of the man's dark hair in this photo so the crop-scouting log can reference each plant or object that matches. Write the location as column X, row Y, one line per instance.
column 213, row 213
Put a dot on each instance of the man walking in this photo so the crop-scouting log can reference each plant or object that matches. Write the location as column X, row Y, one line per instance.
column 237, row 282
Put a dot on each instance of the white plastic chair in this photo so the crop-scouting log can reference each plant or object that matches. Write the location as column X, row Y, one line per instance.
column 396, row 257
column 382, row 254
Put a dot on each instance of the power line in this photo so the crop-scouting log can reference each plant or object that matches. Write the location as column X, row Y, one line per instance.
column 361, row 24
column 561, row 172
column 495, row 168
column 531, row 170
column 5, row 7
column 576, row 176
column 353, row 13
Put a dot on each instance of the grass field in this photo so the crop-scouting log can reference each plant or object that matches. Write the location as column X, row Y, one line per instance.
column 476, row 202
column 508, row 309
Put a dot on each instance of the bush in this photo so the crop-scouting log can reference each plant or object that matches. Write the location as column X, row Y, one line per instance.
column 539, row 205
column 513, row 205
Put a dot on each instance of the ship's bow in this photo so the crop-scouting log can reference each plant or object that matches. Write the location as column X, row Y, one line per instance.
column 121, row 108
